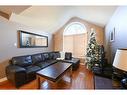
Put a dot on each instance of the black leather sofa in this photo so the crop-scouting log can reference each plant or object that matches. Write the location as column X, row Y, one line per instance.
column 22, row 69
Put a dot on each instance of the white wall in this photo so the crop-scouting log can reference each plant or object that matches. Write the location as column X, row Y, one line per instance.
column 119, row 22
column 8, row 37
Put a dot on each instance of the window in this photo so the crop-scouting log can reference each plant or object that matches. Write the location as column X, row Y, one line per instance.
column 75, row 28
column 75, row 39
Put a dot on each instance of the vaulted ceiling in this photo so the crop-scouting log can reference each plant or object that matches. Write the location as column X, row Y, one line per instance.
column 51, row 18
column 14, row 9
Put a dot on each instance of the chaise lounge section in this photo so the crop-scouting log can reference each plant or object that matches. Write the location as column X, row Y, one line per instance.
column 22, row 69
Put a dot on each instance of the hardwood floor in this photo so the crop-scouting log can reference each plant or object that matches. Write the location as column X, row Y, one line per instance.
column 81, row 79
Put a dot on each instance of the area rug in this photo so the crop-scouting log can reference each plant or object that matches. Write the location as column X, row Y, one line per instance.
column 102, row 82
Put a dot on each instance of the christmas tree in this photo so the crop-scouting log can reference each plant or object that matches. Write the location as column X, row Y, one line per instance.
column 92, row 50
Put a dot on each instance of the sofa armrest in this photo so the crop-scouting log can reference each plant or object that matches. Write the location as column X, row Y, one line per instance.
column 16, row 74
column 74, row 61
column 14, row 68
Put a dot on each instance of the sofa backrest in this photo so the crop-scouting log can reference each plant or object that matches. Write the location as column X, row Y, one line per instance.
column 56, row 55
column 33, row 59
column 68, row 55
column 45, row 56
column 36, row 58
column 22, row 60
column 50, row 55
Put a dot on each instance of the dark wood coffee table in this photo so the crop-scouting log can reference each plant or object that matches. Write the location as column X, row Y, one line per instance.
column 54, row 73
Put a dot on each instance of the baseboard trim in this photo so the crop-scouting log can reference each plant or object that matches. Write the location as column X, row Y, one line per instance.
column 3, row 79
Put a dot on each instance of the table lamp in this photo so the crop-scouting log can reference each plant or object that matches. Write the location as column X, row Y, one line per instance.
column 120, row 62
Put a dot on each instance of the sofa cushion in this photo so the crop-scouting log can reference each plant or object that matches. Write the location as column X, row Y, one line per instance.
column 51, row 61
column 46, row 56
column 73, row 60
column 22, row 61
column 43, row 64
column 43, row 57
column 68, row 56
column 51, row 54
column 36, row 58
column 32, row 68
column 56, row 55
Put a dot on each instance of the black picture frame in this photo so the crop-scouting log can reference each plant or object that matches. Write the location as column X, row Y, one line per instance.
column 112, row 35
column 30, row 41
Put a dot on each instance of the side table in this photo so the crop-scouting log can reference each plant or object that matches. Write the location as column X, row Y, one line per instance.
column 116, row 80
column 116, row 84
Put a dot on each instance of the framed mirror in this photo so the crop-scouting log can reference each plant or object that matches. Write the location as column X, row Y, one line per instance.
column 31, row 40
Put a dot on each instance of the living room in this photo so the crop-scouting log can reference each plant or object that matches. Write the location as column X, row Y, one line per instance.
column 68, row 34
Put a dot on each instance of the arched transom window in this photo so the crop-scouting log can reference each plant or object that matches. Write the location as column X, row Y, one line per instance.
column 75, row 28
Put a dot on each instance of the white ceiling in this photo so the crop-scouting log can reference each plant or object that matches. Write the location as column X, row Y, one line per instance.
column 51, row 18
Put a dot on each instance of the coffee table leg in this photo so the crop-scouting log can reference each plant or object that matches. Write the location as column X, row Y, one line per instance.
column 38, row 82
column 71, row 74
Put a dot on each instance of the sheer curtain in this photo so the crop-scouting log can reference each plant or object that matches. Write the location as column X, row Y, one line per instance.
column 75, row 44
